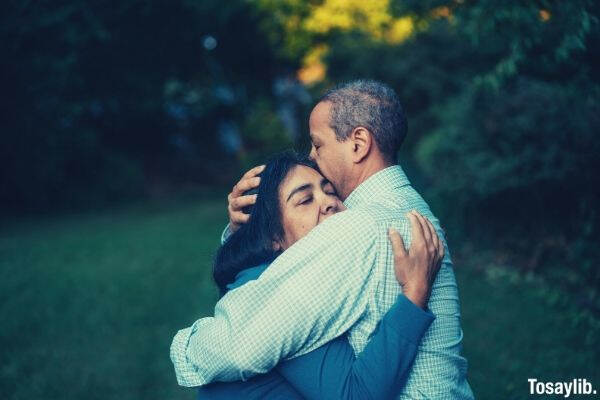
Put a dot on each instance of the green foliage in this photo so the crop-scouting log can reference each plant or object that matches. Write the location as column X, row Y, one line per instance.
column 264, row 134
column 102, row 102
column 517, row 147
column 283, row 26
column 528, row 134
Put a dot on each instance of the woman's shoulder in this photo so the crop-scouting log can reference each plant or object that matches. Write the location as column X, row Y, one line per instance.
column 247, row 275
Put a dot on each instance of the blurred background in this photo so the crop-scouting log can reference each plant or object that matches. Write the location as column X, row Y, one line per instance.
column 124, row 125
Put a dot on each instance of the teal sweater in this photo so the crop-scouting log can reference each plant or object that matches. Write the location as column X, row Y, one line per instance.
column 332, row 371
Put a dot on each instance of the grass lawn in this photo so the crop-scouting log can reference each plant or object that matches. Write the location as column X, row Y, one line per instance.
column 89, row 305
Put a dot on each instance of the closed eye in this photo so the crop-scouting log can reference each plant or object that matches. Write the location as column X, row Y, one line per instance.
column 328, row 188
column 307, row 200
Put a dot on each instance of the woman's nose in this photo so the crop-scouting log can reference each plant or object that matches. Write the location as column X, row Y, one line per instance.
column 329, row 205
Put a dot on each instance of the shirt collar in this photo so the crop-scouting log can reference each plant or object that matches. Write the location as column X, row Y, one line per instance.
column 383, row 181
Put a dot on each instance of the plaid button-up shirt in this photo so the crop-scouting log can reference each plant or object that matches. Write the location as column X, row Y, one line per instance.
column 338, row 278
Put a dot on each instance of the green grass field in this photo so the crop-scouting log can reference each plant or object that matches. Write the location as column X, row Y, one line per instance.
column 90, row 304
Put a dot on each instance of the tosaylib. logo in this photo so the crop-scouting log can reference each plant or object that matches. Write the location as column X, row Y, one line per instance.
column 566, row 389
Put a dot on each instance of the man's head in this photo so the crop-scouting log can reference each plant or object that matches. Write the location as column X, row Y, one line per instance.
column 356, row 129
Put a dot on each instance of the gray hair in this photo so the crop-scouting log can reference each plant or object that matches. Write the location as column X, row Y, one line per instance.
column 372, row 105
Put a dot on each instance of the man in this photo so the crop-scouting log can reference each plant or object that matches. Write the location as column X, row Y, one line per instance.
column 339, row 277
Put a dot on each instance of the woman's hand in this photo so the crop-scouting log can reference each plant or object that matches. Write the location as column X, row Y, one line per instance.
column 417, row 268
column 236, row 200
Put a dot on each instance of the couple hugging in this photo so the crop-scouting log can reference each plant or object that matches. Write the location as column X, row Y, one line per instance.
column 320, row 297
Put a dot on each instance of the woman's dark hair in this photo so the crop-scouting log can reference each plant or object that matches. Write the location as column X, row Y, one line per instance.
column 252, row 243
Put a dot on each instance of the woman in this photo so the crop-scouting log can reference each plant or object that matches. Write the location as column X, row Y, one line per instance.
column 293, row 197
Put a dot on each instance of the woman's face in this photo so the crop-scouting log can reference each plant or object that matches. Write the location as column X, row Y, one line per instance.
column 306, row 199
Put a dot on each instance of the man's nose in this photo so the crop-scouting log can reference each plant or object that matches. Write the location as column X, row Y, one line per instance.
column 311, row 155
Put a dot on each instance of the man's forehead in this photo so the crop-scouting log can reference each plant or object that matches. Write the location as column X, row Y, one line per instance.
column 319, row 119
column 321, row 111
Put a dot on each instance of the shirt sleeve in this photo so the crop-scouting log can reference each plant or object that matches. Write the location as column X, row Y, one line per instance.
column 309, row 295
column 379, row 372
column 226, row 233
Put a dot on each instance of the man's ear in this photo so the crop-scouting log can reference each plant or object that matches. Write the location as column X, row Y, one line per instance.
column 362, row 142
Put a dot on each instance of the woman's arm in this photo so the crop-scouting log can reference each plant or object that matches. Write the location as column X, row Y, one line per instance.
column 333, row 372
column 270, row 386
column 379, row 372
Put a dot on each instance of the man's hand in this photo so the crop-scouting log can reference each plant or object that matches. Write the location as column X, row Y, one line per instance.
column 417, row 268
column 237, row 201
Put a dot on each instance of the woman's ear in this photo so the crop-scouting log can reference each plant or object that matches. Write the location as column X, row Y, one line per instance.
column 276, row 245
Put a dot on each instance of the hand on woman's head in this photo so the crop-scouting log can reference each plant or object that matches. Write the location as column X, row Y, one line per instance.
column 286, row 201
column 237, row 200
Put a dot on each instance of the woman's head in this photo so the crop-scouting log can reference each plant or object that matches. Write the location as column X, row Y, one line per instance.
column 293, row 197
column 306, row 199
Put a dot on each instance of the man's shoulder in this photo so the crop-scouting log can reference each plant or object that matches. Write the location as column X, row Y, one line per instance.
column 351, row 220
column 393, row 205
column 382, row 213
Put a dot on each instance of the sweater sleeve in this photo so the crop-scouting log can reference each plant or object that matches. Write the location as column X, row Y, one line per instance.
column 379, row 372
